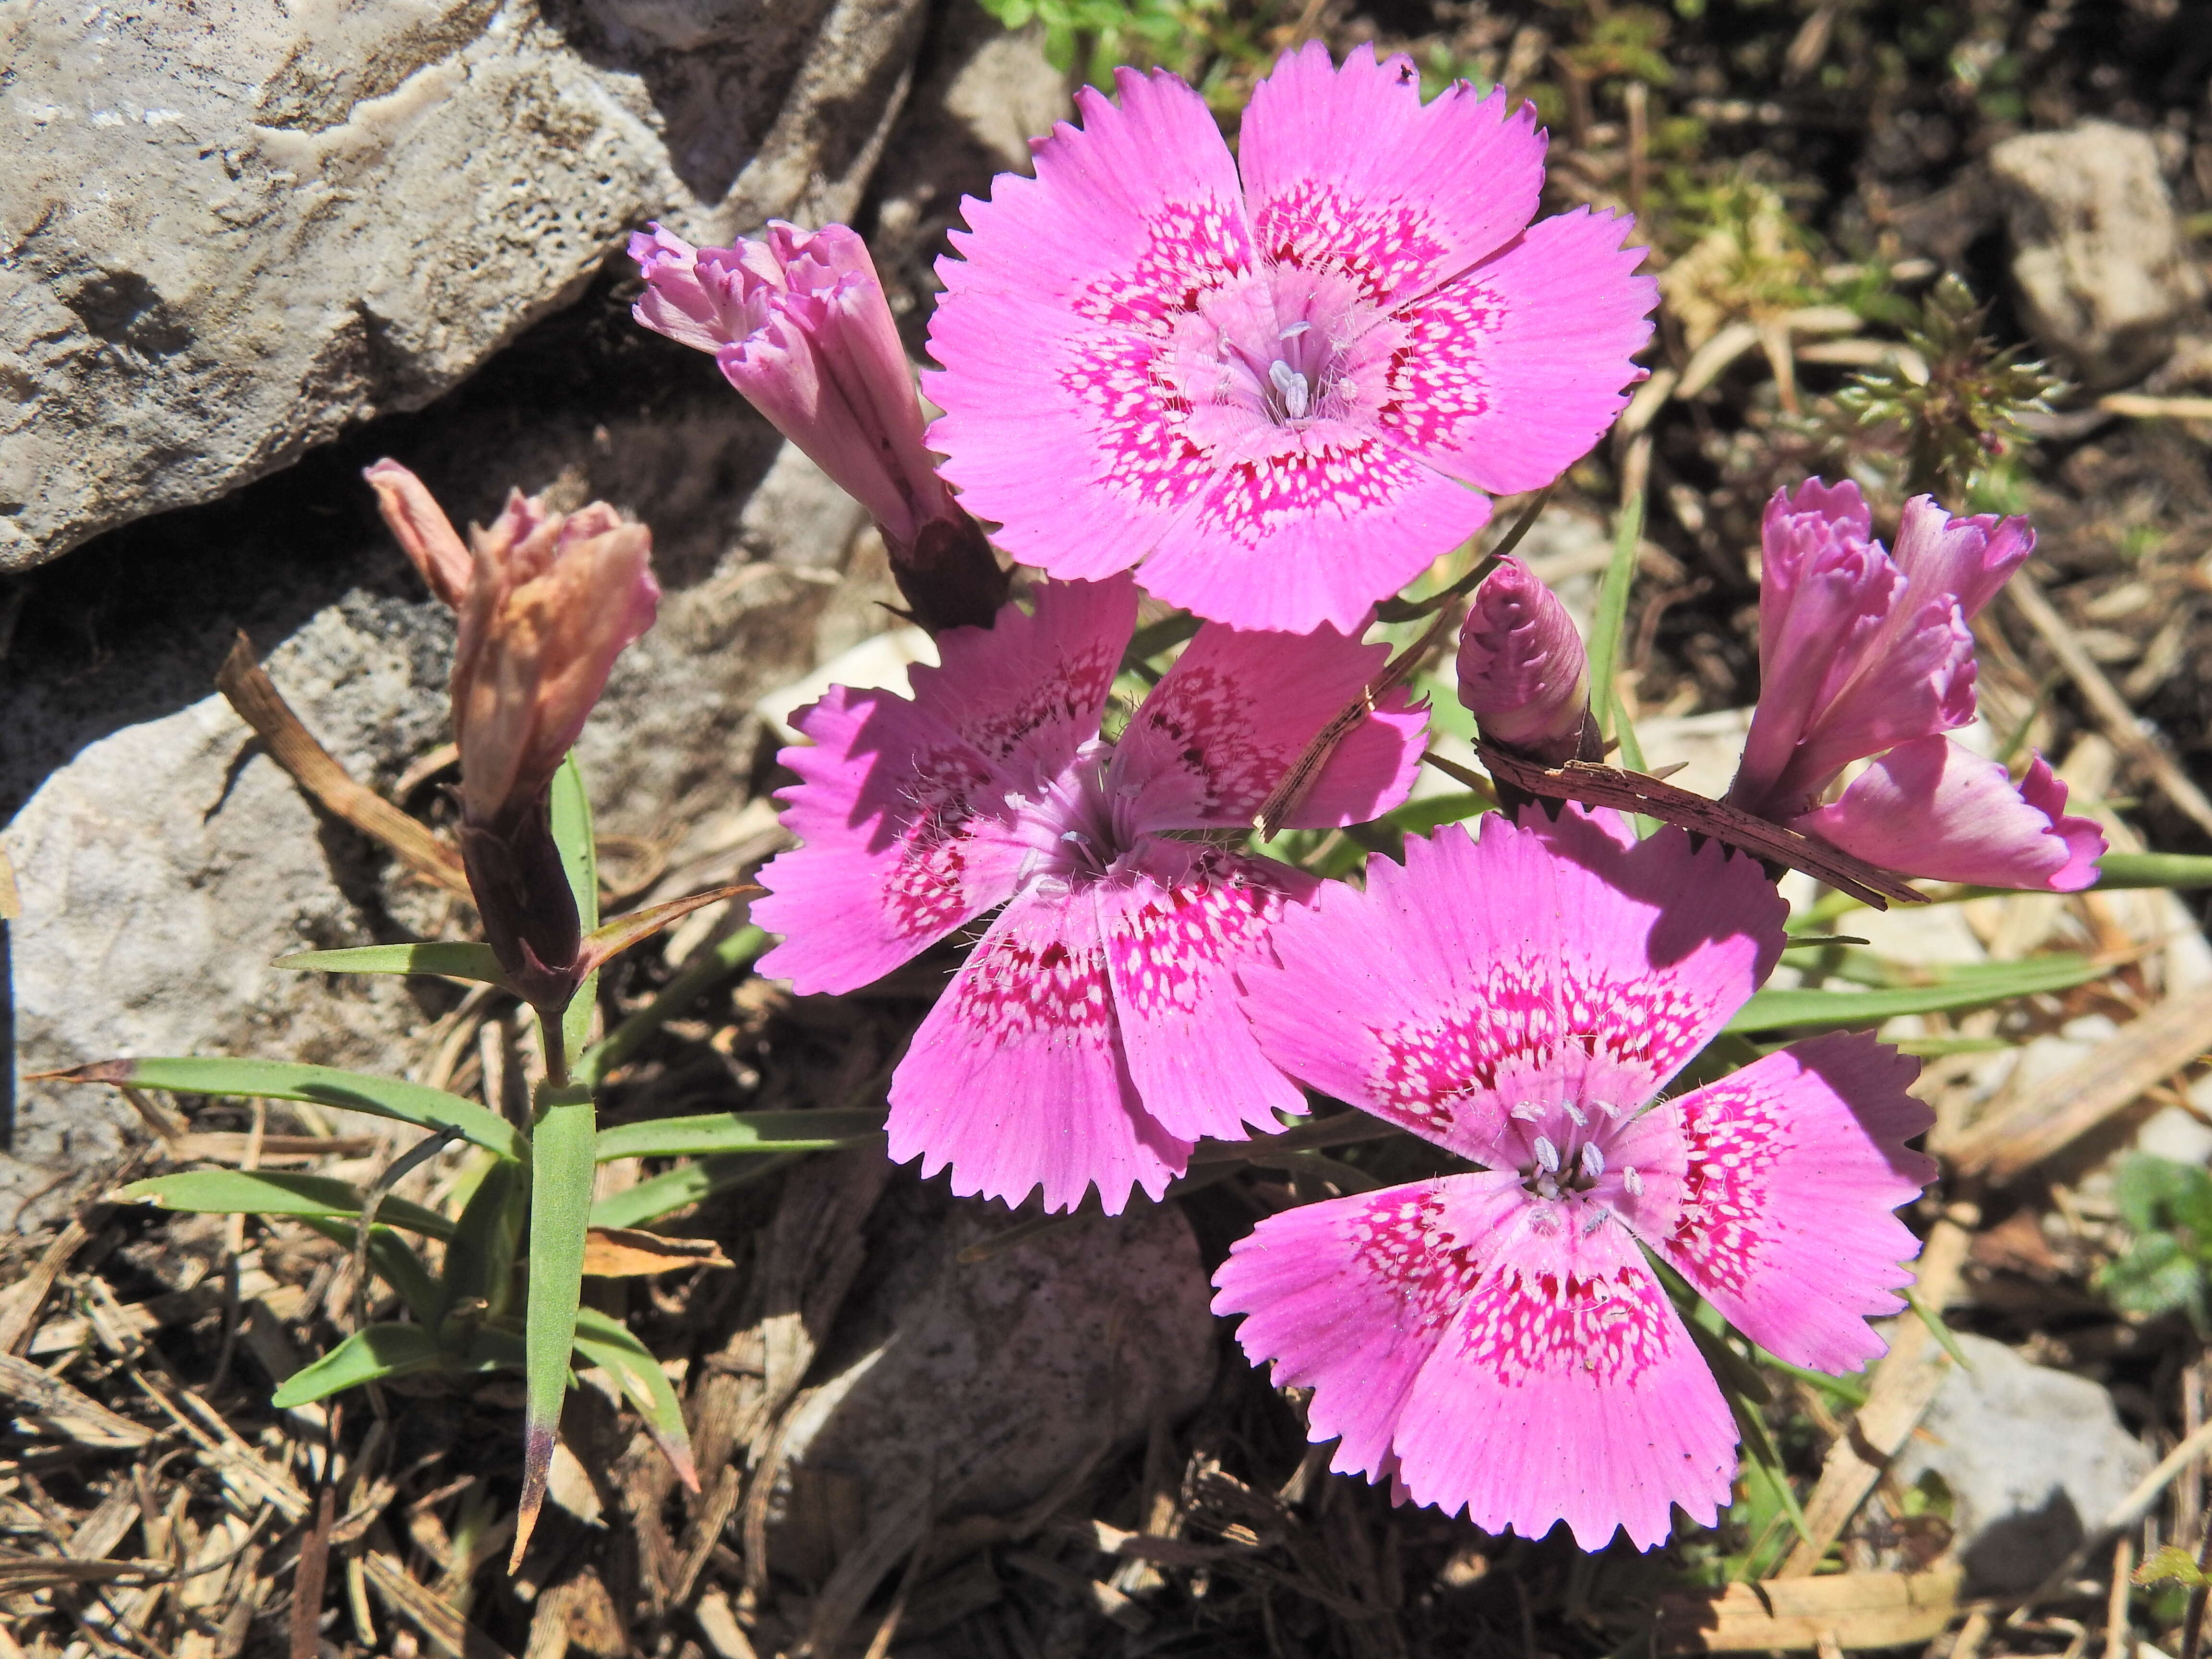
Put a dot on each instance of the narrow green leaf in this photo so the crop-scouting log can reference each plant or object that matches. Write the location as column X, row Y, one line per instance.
column 608, row 1342
column 604, row 943
column 323, row 1086
column 739, row 1132
column 571, row 816
column 1741, row 1385
column 451, row 960
column 1153, row 638
column 1418, row 817
column 1612, row 618
column 1843, row 1389
column 679, row 1188
column 1936, row 1327
column 1771, row 1011
column 560, row 1211
column 259, row 1192
column 708, row 968
column 480, row 1261
column 369, row 1355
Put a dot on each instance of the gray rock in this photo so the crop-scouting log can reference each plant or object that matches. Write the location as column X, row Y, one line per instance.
column 975, row 1388
column 2103, row 275
column 233, row 232
column 2034, row 1458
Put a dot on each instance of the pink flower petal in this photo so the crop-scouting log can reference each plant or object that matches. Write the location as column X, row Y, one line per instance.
column 1526, row 1377
column 1351, row 1297
column 1507, row 376
column 1237, row 709
column 1017, row 1078
column 886, row 810
column 1966, row 559
column 1795, row 1163
column 1567, row 1389
column 1310, row 533
column 1532, row 965
column 1177, row 928
column 1348, row 170
column 901, row 808
column 1933, row 808
column 1028, row 691
column 1128, row 216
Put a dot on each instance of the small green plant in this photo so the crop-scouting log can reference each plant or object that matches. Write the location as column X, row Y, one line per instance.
column 1960, row 398
column 2168, row 1207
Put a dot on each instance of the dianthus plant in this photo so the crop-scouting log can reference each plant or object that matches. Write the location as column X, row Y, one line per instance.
column 1092, row 1035
column 1283, row 381
column 1500, row 1342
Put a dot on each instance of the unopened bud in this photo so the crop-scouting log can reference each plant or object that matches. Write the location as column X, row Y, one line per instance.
column 1522, row 671
column 551, row 599
column 799, row 323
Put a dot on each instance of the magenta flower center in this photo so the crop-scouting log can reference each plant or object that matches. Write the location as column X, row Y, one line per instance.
column 1572, row 1163
column 1070, row 825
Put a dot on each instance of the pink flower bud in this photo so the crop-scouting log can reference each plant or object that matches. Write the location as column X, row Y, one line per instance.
column 553, row 600
column 1522, row 671
column 799, row 324
column 547, row 601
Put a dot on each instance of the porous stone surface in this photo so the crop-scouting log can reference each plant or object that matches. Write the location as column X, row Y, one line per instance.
column 971, row 1388
column 2105, row 279
column 233, row 230
column 2034, row 1459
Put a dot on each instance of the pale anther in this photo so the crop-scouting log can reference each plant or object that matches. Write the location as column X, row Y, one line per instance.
column 1527, row 1111
column 1548, row 1156
column 1294, row 331
column 1593, row 1160
column 1580, row 1117
column 1632, row 1181
column 1297, row 394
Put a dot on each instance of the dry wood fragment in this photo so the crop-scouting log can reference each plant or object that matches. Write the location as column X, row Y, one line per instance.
column 1845, row 1610
column 2137, row 406
column 1636, row 792
column 59, row 1409
column 1903, row 1387
column 2059, row 1110
column 447, row 1632
column 2105, row 702
column 292, row 746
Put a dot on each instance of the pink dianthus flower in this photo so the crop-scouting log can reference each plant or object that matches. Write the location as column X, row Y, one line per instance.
column 1285, row 391
column 1497, row 1342
column 1092, row 1034
column 1862, row 652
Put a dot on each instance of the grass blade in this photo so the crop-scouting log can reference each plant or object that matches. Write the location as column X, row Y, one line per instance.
column 257, row 1192
column 449, row 960
column 369, row 1355
column 706, row 969
column 1611, row 618
column 608, row 1342
column 559, row 1212
column 679, row 1188
column 1969, row 987
column 571, row 811
column 739, row 1132
column 322, row 1085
